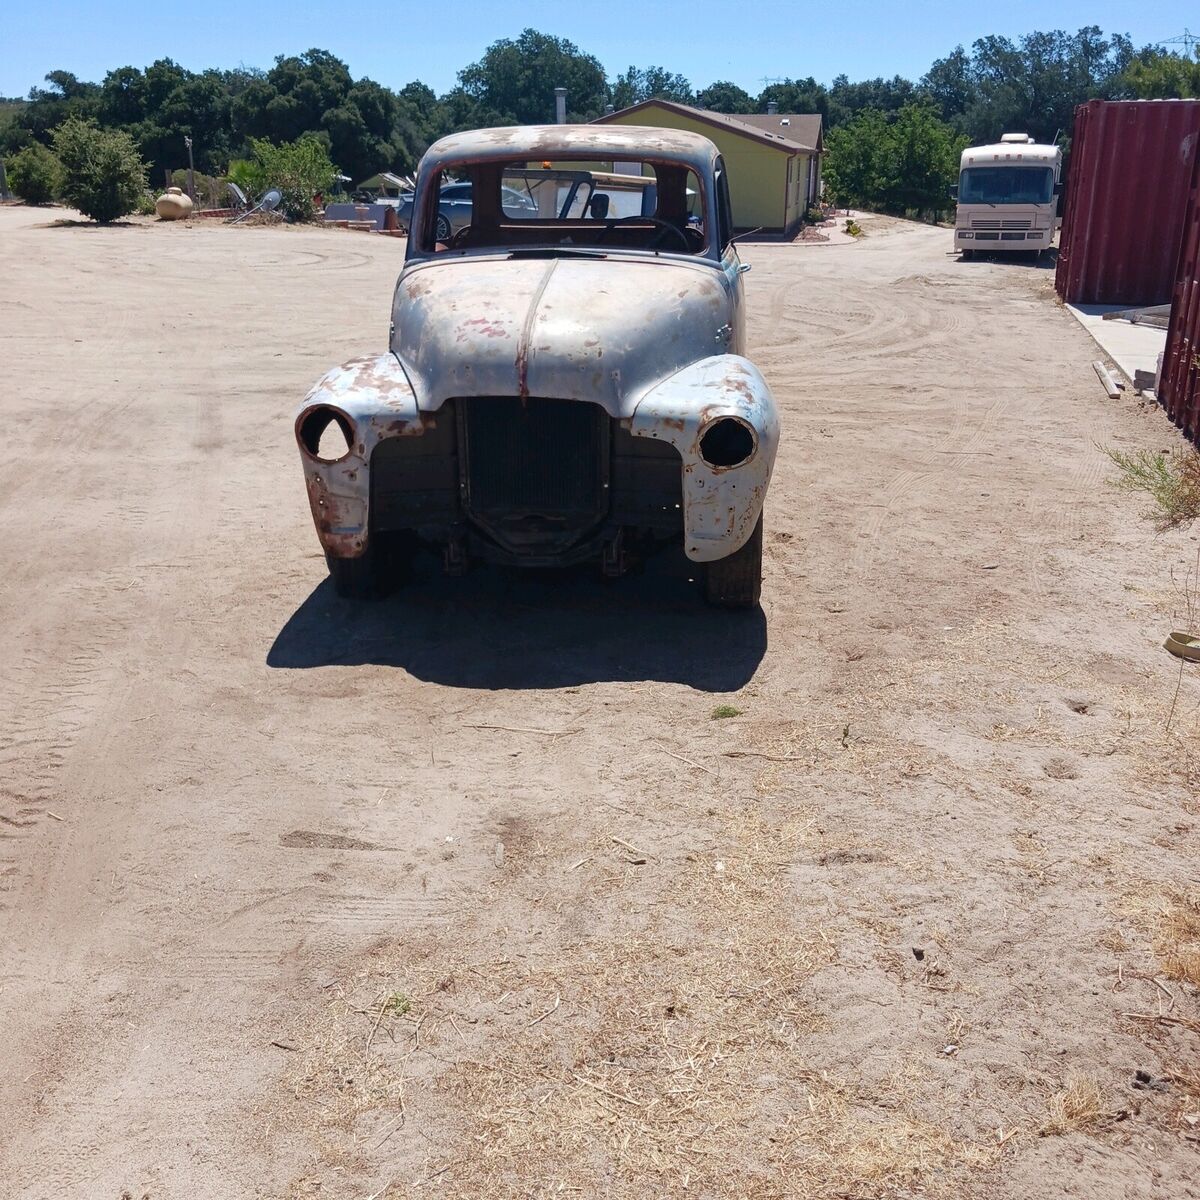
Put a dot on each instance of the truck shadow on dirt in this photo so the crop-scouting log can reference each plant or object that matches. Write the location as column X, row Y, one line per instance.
column 1046, row 261
column 499, row 628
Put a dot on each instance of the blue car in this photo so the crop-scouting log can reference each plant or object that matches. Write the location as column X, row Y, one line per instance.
column 454, row 208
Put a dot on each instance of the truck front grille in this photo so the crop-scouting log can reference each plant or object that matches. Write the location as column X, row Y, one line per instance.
column 535, row 472
column 1011, row 223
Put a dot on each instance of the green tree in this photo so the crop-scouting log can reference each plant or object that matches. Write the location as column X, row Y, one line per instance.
column 857, row 167
column 950, row 83
column 651, row 83
column 907, row 164
column 367, row 131
column 795, row 96
column 514, row 81
column 885, row 95
column 726, row 97
column 1155, row 75
column 298, row 169
column 49, row 107
column 923, row 162
column 34, row 174
column 102, row 173
column 165, row 105
column 1031, row 85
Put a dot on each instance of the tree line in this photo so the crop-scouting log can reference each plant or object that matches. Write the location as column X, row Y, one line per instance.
column 1031, row 84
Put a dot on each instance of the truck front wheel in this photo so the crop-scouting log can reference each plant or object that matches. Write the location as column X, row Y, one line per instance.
column 354, row 578
column 736, row 581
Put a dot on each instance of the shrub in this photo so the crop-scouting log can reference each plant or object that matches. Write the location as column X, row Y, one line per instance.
column 1171, row 480
column 34, row 174
column 102, row 173
column 210, row 189
column 299, row 170
column 248, row 176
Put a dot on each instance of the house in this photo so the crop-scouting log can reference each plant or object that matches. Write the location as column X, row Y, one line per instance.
column 774, row 158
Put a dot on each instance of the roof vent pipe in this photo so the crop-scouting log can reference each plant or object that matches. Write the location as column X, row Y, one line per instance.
column 772, row 107
column 560, row 105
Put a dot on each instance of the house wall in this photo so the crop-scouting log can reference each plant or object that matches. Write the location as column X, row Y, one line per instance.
column 800, row 174
column 758, row 181
column 814, row 180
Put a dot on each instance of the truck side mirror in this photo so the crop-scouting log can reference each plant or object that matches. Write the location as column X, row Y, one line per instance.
column 1058, row 189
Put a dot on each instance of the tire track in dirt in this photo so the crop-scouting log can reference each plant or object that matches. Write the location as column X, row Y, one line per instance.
column 62, row 694
column 950, row 454
column 1086, row 477
column 898, row 330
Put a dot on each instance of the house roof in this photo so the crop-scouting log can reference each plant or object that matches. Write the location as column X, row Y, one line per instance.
column 804, row 128
column 793, row 133
column 388, row 179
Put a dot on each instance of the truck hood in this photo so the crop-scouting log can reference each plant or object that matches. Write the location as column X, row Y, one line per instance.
column 598, row 329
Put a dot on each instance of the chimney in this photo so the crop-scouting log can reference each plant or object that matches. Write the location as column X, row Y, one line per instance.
column 772, row 107
column 560, row 105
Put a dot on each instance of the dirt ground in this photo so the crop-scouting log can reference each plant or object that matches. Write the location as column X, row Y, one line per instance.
column 475, row 891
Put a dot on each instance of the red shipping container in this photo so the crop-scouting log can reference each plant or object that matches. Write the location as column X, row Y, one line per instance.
column 1179, row 384
column 1127, row 190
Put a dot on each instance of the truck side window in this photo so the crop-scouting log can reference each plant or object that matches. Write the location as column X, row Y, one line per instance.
column 724, row 210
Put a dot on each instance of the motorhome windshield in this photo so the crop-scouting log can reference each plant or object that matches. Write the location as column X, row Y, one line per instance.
column 1006, row 185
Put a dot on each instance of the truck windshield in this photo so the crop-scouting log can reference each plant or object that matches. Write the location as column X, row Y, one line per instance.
column 608, row 206
column 1006, row 185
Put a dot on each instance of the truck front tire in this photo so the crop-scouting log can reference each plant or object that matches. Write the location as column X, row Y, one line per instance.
column 736, row 581
column 354, row 578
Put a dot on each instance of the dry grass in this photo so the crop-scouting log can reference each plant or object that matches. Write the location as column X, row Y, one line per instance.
column 669, row 1050
column 1079, row 1106
column 1171, row 480
column 669, row 1056
column 1177, row 939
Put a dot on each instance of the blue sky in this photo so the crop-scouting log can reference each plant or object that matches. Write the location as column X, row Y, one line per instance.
column 397, row 42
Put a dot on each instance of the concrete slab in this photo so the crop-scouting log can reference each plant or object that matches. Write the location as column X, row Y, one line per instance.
column 1131, row 347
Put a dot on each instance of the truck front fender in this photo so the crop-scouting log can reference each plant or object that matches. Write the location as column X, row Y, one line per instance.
column 369, row 399
column 712, row 412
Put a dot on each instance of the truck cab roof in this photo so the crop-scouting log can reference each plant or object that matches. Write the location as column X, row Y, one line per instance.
column 1011, row 153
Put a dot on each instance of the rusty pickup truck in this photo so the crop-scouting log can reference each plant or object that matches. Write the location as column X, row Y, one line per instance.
column 565, row 380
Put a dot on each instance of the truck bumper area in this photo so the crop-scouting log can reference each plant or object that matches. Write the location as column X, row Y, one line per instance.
column 719, row 414
column 710, row 431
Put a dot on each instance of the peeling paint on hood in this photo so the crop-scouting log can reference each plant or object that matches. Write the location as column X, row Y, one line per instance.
column 594, row 329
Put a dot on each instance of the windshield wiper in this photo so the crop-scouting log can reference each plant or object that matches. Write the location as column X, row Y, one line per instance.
column 554, row 252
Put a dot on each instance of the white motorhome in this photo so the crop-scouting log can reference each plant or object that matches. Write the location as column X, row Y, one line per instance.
column 1007, row 196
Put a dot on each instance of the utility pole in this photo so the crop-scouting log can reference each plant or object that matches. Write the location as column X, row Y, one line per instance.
column 191, row 175
column 1187, row 39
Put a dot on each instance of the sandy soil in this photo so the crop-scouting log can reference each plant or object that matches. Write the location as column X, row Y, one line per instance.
column 469, row 892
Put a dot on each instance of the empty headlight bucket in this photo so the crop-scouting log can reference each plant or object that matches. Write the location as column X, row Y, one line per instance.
column 325, row 433
column 727, row 442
